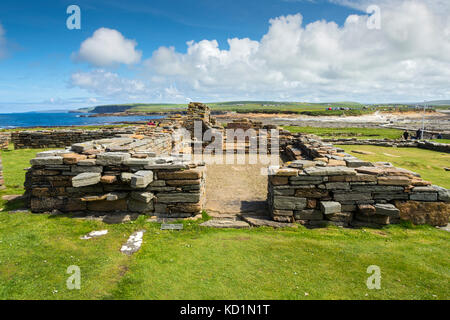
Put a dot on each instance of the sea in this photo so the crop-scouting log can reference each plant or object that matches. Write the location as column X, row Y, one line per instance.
column 37, row 119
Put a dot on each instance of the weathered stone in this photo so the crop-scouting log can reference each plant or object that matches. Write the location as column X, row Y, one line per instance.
column 329, row 171
column 284, row 192
column 356, row 178
column 288, row 203
column 142, row 196
column 277, row 181
column 355, row 163
column 345, row 217
column 352, row 196
column 283, row 212
column 376, row 219
column 112, row 158
column 85, row 179
column 433, row 213
column 311, row 193
column 391, row 196
column 311, row 203
column 186, row 207
column 366, row 209
column 83, row 169
column 42, row 161
column 87, row 162
column 256, row 221
column 310, row 214
column 330, row 207
column 394, row 181
column 177, row 197
column 443, row 194
column 133, row 243
column 424, row 196
column 140, row 206
column 182, row 182
column 108, row 179
column 73, row 158
column 137, row 162
column 337, row 186
column 387, row 210
column 126, row 177
column 141, row 179
column 301, row 164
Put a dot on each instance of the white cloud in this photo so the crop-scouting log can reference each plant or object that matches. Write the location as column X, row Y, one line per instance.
column 408, row 59
column 108, row 47
column 112, row 85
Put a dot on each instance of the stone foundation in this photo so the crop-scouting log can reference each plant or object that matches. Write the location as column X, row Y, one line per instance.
column 429, row 145
column 5, row 138
column 323, row 185
column 116, row 175
column 62, row 138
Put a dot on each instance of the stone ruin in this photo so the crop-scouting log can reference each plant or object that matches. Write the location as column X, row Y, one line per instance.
column 152, row 172
column 323, row 185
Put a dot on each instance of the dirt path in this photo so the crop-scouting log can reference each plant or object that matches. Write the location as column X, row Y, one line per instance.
column 236, row 188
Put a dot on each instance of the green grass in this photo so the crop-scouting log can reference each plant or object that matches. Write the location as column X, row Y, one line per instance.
column 359, row 133
column 429, row 164
column 441, row 140
column 198, row 263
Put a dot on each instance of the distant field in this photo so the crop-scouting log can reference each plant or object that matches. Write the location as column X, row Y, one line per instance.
column 359, row 133
column 313, row 109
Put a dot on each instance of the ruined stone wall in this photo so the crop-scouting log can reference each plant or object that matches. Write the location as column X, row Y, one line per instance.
column 116, row 175
column 429, row 145
column 2, row 181
column 62, row 138
column 5, row 138
column 323, row 185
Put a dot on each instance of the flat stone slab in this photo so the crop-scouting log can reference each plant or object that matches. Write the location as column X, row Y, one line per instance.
column 94, row 234
column 86, row 179
column 133, row 243
column 260, row 221
column 235, row 224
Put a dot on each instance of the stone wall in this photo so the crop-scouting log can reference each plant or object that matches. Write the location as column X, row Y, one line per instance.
column 62, row 138
column 323, row 185
column 2, row 181
column 430, row 145
column 116, row 175
column 5, row 138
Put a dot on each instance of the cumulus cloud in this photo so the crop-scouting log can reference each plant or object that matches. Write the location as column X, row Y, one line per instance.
column 108, row 47
column 408, row 59
column 112, row 85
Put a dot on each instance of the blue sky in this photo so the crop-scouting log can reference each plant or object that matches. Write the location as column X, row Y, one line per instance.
column 43, row 65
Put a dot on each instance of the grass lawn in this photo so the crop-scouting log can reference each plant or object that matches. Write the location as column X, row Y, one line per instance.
column 198, row 263
column 429, row 164
column 359, row 133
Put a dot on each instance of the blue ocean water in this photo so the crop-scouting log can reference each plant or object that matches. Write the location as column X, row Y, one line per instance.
column 36, row 119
